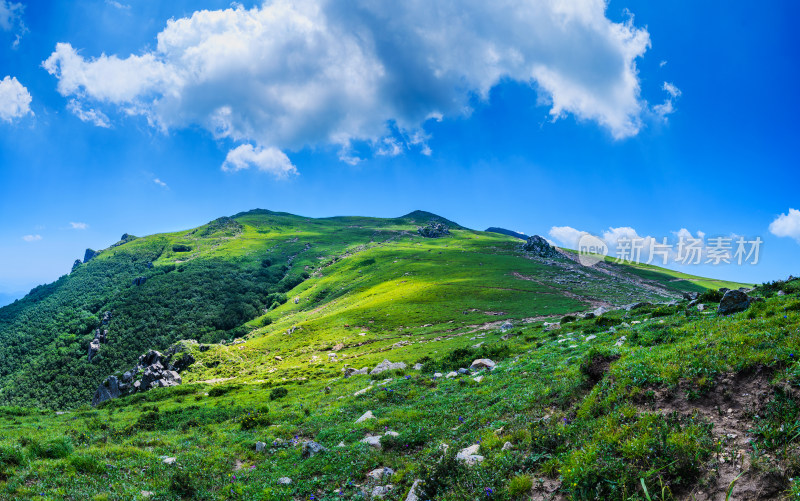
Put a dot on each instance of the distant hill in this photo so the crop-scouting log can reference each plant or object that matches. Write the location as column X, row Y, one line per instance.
column 236, row 276
column 510, row 233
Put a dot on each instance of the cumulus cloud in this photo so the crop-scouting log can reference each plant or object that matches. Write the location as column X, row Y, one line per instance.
column 32, row 238
column 787, row 225
column 15, row 100
column 566, row 236
column 293, row 74
column 270, row 160
column 78, row 226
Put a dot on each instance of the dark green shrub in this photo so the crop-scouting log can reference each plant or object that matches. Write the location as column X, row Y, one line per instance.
column 10, row 456
column 181, row 248
column 277, row 393
column 56, row 448
column 256, row 419
column 221, row 390
column 711, row 296
column 182, row 484
column 86, row 464
column 606, row 321
column 567, row 319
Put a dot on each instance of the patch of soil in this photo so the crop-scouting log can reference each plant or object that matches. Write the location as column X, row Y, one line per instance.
column 546, row 489
column 729, row 406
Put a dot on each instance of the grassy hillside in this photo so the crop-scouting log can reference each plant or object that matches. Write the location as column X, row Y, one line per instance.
column 664, row 401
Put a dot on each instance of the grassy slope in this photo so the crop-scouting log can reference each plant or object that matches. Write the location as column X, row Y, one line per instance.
column 382, row 292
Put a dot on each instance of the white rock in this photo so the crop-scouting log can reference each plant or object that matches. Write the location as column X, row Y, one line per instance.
column 589, row 338
column 482, row 363
column 169, row 460
column 361, row 392
column 380, row 473
column 392, row 434
column 470, row 455
column 381, row 490
column 437, row 375
column 417, row 367
column 451, row 375
column 373, row 441
column 620, row 341
column 507, row 446
column 260, row 446
column 478, row 379
column 367, row 415
column 284, row 481
column 412, row 493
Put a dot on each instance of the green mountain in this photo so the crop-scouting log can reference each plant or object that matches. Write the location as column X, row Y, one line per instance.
column 314, row 352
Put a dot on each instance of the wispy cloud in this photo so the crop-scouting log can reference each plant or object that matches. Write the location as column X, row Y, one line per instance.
column 668, row 107
column 78, row 226
column 90, row 115
column 118, row 5
column 32, row 238
column 160, row 183
column 11, row 20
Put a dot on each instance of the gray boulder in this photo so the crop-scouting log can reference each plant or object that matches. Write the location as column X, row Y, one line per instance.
column 311, row 449
column 732, row 302
column 106, row 391
column 507, row 326
column 386, row 365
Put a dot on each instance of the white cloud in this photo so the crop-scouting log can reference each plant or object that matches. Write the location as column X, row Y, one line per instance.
column 566, row 236
column 78, row 226
column 32, row 238
column 668, row 106
column 11, row 20
column 90, row 115
column 160, row 183
column 118, row 5
column 270, row 160
column 787, row 225
column 15, row 100
column 306, row 73
column 662, row 64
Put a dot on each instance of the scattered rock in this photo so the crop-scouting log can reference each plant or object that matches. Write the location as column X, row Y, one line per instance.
column 589, row 338
column 284, row 481
column 352, row 371
column 733, row 302
column 599, row 311
column 372, row 441
column 538, row 246
column 381, row 490
column 367, row 415
column 386, row 366
column 507, row 446
column 412, row 493
column 470, row 455
column 380, row 473
column 620, row 341
column 451, row 374
column 478, row 379
column 463, row 372
column 636, row 306
column 417, row 367
column 361, row 392
column 482, row 363
column 437, row 375
column 169, row 460
column 701, row 307
column 260, row 446
column 311, row 449
column 551, row 326
column 507, row 326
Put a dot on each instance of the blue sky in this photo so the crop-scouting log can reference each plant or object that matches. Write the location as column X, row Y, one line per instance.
column 633, row 116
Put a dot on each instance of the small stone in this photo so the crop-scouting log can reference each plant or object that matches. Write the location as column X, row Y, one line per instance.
column 417, row 367
column 482, row 363
column 311, row 449
column 361, row 392
column 381, row 490
column 380, row 473
column 412, row 493
column 478, row 379
column 260, row 446
column 284, row 481
column 169, row 460
column 372, row 441
column 451, row 375
column 507, row 446
column 589, row 338
column 367, row 415
column 437, row 375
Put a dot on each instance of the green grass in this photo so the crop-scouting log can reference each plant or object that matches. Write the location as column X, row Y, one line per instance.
column 577, row 411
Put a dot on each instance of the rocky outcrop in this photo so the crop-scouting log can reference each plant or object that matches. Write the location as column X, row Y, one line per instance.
column 100, row 337
column 433, row 230
column 733, row 301
column 138, row 281
column 76, row 265
column 538, row 246
column 89, row 255
column 153, row 370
